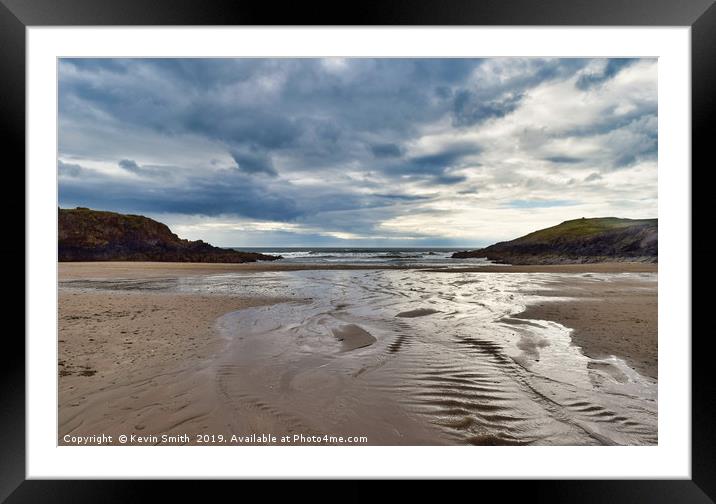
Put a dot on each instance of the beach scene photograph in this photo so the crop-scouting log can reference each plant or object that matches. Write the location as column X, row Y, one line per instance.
column 357, row 251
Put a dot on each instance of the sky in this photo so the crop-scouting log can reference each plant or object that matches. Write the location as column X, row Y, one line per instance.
column 359, row 152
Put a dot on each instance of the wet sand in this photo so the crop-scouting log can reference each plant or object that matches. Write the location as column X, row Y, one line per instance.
column 400, row 356
column 608, row 318
column 89, row 270
column 353, row 336
column 420, row 312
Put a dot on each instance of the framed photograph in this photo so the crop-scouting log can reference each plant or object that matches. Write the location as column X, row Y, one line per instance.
column 411, row 242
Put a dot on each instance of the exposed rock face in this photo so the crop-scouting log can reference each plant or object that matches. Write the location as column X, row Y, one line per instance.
column 92, row 235
column 578, row 241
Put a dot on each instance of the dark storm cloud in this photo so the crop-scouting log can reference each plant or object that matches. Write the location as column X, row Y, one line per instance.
column 564, row 159
column 469, row 109
column 231, row 192
column 69, row 169
column 444, row 179
column 129, row 165
column 629, row 138
column 256, row 110
column 432, row 164
column 629, row 141
column 262, row 128
column 147, row 171
column 403, row 197
column 435, row 168
column 330, row 144
column 612, row 120
column 300, row 107
column 252, row 160
column 210, row 196
column 270, row 104
column 474, row 104
column 386, row 150
column 613, row 67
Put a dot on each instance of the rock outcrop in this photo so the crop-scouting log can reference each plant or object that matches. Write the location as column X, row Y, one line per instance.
column 93, row 235
column 578, row 241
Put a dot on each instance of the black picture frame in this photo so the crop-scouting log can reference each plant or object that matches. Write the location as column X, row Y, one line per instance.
column 700, row 15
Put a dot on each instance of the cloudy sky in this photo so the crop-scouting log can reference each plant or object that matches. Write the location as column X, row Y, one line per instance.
column 359, row 152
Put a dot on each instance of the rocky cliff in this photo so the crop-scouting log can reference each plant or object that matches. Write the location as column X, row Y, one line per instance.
column 578, row 241
column 92, row 235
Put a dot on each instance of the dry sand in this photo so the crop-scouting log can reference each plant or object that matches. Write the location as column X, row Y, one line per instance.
column 608, row 318
column 134, row 361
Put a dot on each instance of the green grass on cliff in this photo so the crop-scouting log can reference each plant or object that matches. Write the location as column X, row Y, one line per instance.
column 581, row 228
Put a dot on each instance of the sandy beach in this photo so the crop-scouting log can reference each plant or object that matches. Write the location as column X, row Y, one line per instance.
column 359, row 251
column 615, row 318
column 142, row 352
column 89, row 270
column 135, row 361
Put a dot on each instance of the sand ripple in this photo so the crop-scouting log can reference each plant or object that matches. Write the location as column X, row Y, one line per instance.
column 412, row 357
column 469, row 373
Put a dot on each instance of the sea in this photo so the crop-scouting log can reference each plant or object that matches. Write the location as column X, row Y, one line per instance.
column 408, row 257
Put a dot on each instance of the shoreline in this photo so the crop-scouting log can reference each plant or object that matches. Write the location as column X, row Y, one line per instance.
column 116, row 269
